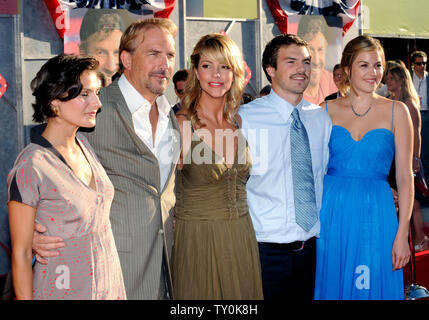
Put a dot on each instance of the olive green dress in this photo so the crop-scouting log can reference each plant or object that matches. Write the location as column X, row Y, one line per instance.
column 215, row 253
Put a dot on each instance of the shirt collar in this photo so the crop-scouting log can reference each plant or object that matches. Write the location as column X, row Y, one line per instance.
column 37, row 138
column 135, row 100
column 282, row 106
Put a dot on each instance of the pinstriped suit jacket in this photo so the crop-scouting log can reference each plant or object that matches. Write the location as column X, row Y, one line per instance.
column 141, row 213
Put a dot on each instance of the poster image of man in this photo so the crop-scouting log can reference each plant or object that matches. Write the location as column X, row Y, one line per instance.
column 324, row 38
column 100, row 35
column 97, row 33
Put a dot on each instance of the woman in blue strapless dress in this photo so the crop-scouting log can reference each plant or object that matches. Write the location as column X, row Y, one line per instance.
column 362, row 246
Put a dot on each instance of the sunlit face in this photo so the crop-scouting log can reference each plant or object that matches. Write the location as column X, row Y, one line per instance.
column 367, row 71
column 107, row 52
column 317, row 46
column 150, row 67
column 292, row 74
column 338, row 76
column 215, row 78
column 419, row 65
column 392, row 82
column 82, row 110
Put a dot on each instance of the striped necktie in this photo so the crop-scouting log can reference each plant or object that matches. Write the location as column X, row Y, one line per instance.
column 302, row 174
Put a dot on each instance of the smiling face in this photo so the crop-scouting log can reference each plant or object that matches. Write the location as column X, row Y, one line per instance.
column 366, row 71
column 150, row 67
column 317, row 44
column 215, row 78
column 292, row 75
column 82, row 110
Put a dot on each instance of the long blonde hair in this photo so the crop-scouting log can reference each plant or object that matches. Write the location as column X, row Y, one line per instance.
column 353, row 48
column 224, row 50
column 401, row 73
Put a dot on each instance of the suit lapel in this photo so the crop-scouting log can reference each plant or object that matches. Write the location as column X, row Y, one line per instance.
column 177, row 145
column 118, row 101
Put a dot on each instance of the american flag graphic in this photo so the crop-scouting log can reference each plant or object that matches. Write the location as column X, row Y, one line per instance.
column 346, row 9
column 145, row 8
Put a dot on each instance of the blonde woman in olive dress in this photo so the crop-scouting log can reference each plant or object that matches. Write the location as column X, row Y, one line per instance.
column 215, row 250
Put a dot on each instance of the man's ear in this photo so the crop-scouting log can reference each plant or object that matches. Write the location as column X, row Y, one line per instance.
column 126, row 59
column 271, row 71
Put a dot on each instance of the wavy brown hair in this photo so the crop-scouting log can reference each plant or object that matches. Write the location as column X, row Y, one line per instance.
column 353, row 48
column 59, row 78
column 224, row 50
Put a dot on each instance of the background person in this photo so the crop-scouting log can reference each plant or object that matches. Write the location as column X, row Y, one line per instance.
column 58, row 181
column 420, row 80
column 337, row 74
column 265, row 91
column 179, row 81
column 400, row 85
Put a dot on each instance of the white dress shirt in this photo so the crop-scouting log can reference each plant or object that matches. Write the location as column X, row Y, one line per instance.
column 139, row 107
column 421, row 88
column 266, row 125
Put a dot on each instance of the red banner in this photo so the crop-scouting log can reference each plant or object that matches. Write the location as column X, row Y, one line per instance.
column 346, row 9
column 3, row 86
column 154, row 8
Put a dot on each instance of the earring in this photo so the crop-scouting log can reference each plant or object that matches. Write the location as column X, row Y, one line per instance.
column 55, row 110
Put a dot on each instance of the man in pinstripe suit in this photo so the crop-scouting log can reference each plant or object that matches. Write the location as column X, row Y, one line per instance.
column 136, row 143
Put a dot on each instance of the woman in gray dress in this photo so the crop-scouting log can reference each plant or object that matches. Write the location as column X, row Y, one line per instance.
column 58, row 182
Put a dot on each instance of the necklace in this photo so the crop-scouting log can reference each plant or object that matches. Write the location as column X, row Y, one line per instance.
column 360, row 114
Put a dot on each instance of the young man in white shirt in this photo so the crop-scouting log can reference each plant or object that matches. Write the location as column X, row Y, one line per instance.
column 287, row 250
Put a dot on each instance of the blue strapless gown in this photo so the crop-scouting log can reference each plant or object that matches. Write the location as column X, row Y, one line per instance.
column 358, row 220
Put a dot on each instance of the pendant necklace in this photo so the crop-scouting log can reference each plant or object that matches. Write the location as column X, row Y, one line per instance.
column 360, row 114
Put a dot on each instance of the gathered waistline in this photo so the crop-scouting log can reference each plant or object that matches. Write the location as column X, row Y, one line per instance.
column 190, row 217
column 357, row 174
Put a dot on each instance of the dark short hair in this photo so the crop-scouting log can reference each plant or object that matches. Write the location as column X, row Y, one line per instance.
column 247, row 97
column 418, row 54
column 59, row 78
column 96, row 20
column 269, row 57
column 336, row 67
column 180, row 75
column 265, row 90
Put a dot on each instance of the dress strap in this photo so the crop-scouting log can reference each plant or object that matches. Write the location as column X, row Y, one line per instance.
column 393, row 103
